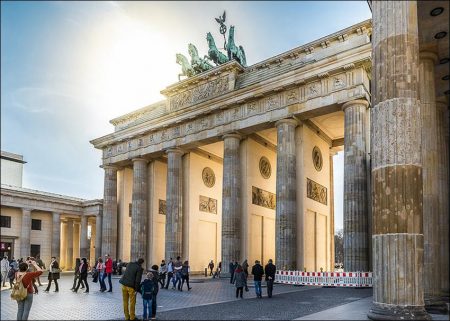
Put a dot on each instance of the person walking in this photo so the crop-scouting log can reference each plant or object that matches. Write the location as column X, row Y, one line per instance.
column 258, row 272
column 211, row 267
column 32, row 269
column 169, row 273
column 239, row 281
column 245, row 268
column 131, row 280
column 231, row 268
column 53, row 274
column 76, row 274
column 162, row 273
column 41, row 264
column 12, row 273
column 83, row 273
column 24, row 306
column 269, row 271
column 177, row 272
column 108, row 271
column 185, row 269
column 101, row 271
column 154, row 271
column 4, row 265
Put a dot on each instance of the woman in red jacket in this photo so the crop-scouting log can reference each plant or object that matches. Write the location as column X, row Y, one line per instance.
column 108, row 271
column 26, row 278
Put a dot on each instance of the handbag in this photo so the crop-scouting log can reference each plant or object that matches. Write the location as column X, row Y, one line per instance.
column 56, row 270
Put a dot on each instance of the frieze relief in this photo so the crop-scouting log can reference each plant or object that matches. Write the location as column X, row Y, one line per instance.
column 208, row 204
column 263, row 198
column 162, row 207
column 316, row 192
column 200, row 93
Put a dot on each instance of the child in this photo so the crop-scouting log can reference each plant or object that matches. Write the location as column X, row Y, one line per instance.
column 147, row 289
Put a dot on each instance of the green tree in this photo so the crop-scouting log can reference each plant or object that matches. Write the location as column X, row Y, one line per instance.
column 339, row 248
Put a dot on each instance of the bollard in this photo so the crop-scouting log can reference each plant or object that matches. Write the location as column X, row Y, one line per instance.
column 206, row 272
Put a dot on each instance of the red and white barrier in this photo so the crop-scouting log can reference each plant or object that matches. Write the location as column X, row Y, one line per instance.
column 346, row 279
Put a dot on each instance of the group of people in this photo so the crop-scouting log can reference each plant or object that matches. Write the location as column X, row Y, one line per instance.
column 239, row 275
column 177, row 272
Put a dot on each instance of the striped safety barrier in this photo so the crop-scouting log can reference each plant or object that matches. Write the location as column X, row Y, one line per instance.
column 345, row 279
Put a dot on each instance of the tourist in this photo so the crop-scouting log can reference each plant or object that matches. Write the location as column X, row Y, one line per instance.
column 258, row 272
column 185, row 269
column 239, row 281
column 119, row 267
column 177, row 271
column 231, row 268
column 32, row 269
column 169, row 273
column 130, row 281
column 245, row 268
column 147, row 288
column 14, row 267
column 269, row 271
column 154, row 270
column 162, row 273
column 211, row 267
column 76, row 273
column 115, row 267
column 53, row 274
column 108, row 271
column 24, row 306
column 41, row 264
column 4, row 269
column 100, row 267
column 83, row 272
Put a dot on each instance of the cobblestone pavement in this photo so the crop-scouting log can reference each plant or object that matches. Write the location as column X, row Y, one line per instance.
column 66, row 305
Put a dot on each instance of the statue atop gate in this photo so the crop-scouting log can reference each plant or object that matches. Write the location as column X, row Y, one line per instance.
column 198, row 65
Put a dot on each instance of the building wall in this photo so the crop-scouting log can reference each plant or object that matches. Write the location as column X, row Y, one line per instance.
column 13, row 233
column 124, row 199
column 44, row 236
column 11, row 172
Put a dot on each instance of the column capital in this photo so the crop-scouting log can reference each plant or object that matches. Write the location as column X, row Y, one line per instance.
column 139, row 159
column 363, row 102
column 232, row 135
column 289, row 121
column 109, row 166
column 175, row 150
column 423, row 55
column 26, row 209
column 56, row 213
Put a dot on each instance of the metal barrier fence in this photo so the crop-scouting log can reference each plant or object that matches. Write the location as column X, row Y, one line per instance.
column 348, row 279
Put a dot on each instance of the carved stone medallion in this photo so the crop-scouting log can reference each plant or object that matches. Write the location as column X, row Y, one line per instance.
column 264, row 167
column 317, row 158
column 208, row 177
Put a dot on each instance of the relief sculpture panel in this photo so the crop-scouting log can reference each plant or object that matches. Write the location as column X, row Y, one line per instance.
column 316, row 192
column 208, row 205
column 263, row 198
column 162, row 207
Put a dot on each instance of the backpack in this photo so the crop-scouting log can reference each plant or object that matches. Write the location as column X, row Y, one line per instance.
column 184, row 271
column 19, row 292
column 147, row 289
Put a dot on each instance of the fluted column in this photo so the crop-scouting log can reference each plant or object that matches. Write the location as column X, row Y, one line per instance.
column 286, row 208
column 98, row 235
column 69, row 245
column 356, row 251
column 25, row 245
column 396, row 164
column 231, row 201
column 63, row 249
column 443, row 177
column 139, row 210
column 332, row 250
column 56, row 235
column 427, row 98
column 174, row 215
column 84, row 247
column 109, row 226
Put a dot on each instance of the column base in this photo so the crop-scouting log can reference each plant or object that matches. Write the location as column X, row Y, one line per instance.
column 396, row 312
column 436, row 305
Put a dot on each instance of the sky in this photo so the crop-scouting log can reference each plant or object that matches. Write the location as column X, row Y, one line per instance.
column 68, row 68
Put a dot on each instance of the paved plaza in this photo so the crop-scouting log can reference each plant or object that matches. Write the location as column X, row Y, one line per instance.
column 209, row 299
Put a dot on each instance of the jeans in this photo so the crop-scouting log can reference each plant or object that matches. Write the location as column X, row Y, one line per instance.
column 109, row 280
column 177, row 279
column 24, row 307
column 4, row 275
column 258, row 288
column 129, row 295
column 269, row 287
column 169, row 276
column 101, row 280
column 147, row 307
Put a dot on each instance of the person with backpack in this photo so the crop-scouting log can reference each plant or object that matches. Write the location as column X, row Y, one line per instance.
column 131, row 281
column 147, row 288
column 152, row 288
column 185, row 269
column 22, row 290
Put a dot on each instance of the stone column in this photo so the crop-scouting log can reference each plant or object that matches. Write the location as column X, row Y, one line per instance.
column 231, row 201
column 63, row 249
column 84, row 247
column 139, row 210
column 174, row 215
column 443, row 177
column 356, row 250
column 430, row 205
column 332, row 251
column 109, row 226
column 69, row 245
column 98, row 235
column 286, row 210
column 25, row 245
column 56, row 235
column 396, row 164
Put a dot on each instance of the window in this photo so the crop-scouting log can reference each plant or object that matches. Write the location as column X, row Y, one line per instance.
column 35, row 249
column 36, row 224
column 6, row 221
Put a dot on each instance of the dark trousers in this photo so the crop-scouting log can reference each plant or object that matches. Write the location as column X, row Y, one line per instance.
column 239, row 291
column 76, row 279
column 211, row 272
column 154, row 305
column 169, row 276
column 109, row 280
column 269, row 288
column 50, row 283
column 232, row 276
column 82, row 279
column 185, row 278
column 162, row 279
